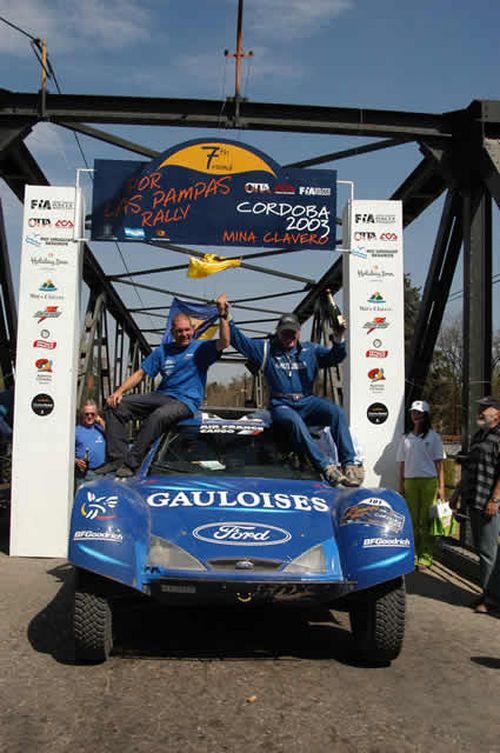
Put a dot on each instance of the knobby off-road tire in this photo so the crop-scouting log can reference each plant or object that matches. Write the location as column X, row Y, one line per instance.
column 92, row 627
column 378, row 621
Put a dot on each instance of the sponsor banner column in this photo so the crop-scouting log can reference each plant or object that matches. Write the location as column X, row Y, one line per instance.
column 46, row 373
column 374, row 297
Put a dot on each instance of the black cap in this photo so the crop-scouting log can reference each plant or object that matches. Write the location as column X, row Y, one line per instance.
column 288, row 321
column 489, row 401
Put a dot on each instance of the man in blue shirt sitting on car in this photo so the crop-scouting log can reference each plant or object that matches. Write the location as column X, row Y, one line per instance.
column 183, row 365
column 290, row 367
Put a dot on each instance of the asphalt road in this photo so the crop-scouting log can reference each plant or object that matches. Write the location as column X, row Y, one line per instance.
column 245, row 681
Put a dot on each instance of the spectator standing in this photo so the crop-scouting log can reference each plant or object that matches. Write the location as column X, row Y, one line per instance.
column 90, row 440
column 480, row 490
column 420, row 457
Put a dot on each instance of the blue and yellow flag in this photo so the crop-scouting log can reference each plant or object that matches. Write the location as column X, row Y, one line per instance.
column 203, row 316
column 210, row 264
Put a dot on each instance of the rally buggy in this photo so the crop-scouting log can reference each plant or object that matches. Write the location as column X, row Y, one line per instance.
column 221, row 514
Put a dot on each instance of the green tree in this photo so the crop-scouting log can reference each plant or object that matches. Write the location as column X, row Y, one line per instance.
column 412, row 301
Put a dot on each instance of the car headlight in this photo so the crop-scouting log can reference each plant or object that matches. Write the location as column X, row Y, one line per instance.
column 311, row 561
column 163, row 553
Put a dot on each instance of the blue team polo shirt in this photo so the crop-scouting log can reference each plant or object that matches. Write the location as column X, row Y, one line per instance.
column 183, row 370
column 90, row 438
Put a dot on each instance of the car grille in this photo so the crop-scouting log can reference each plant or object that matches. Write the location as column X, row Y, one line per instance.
column 245, row 564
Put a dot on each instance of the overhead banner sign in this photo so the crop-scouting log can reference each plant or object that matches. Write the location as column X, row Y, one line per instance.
column 214, row 193
column 373, row 294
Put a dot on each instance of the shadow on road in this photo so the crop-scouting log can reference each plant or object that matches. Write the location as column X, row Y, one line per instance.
column 50, row 631
column 439, row 588
column 144, row 629
column 4, row 527
column 231, row 633
column 487, row 661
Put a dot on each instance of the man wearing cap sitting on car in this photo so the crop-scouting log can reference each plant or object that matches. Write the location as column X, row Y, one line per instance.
column 480, row 490
column 290, row 368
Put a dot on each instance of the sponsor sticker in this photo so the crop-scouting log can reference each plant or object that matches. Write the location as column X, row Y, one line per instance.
column 42, row 404
column 376, row 297
column 235, row 534
column 372, row 353
column 223, row 499
column 378, row 322
column 48, row 260
column 49, row 312
column 373, row 511
column 113, row 536
column 375, row 273
column 377, row 413
column 99, row 508
column 50, row 204
column 376, row 375
column 44, row 370
column 47, row 344
column 388, row 543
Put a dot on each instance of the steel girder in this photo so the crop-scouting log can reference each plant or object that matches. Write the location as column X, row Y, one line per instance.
column 434, row 298
column 8, row 313
column 194, row 113
column 460, row 154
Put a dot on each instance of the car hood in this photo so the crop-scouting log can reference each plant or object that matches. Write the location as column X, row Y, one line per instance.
column 208, row 515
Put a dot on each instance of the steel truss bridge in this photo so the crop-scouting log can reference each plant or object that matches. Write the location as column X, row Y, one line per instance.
column 460, row 158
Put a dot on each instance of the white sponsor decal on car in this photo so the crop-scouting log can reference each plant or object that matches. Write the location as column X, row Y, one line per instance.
column 244, row 499
column 114, row 536
column 233, row 534
column 380, row 542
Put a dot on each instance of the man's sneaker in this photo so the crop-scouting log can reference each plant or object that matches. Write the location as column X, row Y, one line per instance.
column 125, row 471
column 333, row 474
column 110, row 467
column 353, row 475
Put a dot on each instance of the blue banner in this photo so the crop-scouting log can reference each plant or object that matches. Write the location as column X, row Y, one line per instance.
column 214, row 193
column 203, row 316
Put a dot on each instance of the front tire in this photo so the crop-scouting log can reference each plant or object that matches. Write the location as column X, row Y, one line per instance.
column 378, row 621
column 92, row 627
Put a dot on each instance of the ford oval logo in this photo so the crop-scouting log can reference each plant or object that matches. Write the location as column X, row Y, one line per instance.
column 237, row 534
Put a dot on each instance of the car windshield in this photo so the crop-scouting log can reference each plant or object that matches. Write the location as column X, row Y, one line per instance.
column 208, row 451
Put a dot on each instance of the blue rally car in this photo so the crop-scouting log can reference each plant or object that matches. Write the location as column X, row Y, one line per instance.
column 220, row 513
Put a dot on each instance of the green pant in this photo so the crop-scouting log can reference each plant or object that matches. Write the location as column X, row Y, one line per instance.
column 420, row 494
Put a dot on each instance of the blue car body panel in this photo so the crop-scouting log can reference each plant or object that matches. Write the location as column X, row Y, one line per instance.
column 239, row 530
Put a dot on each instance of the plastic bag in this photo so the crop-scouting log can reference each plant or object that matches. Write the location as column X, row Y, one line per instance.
column 442, row 521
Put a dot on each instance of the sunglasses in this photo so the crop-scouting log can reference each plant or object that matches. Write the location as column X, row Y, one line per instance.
column 89, row 414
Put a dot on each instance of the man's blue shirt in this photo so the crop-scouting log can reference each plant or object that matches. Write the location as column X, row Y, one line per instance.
column 183, row 370
column 288, row 371
column 90, row 438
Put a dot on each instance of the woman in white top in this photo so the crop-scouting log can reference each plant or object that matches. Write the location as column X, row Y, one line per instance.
column 420, row 456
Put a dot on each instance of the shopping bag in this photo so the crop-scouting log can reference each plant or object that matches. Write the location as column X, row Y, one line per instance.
column 442, row 521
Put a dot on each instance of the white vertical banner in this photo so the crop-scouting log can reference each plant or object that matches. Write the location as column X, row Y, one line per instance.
column 374, row 299
column 46, row 372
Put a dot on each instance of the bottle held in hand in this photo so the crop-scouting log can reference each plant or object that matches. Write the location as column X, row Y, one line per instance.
column 338, row 321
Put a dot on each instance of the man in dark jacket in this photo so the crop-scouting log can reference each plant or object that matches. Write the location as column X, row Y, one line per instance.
column 290, row 367
column 480, row 489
